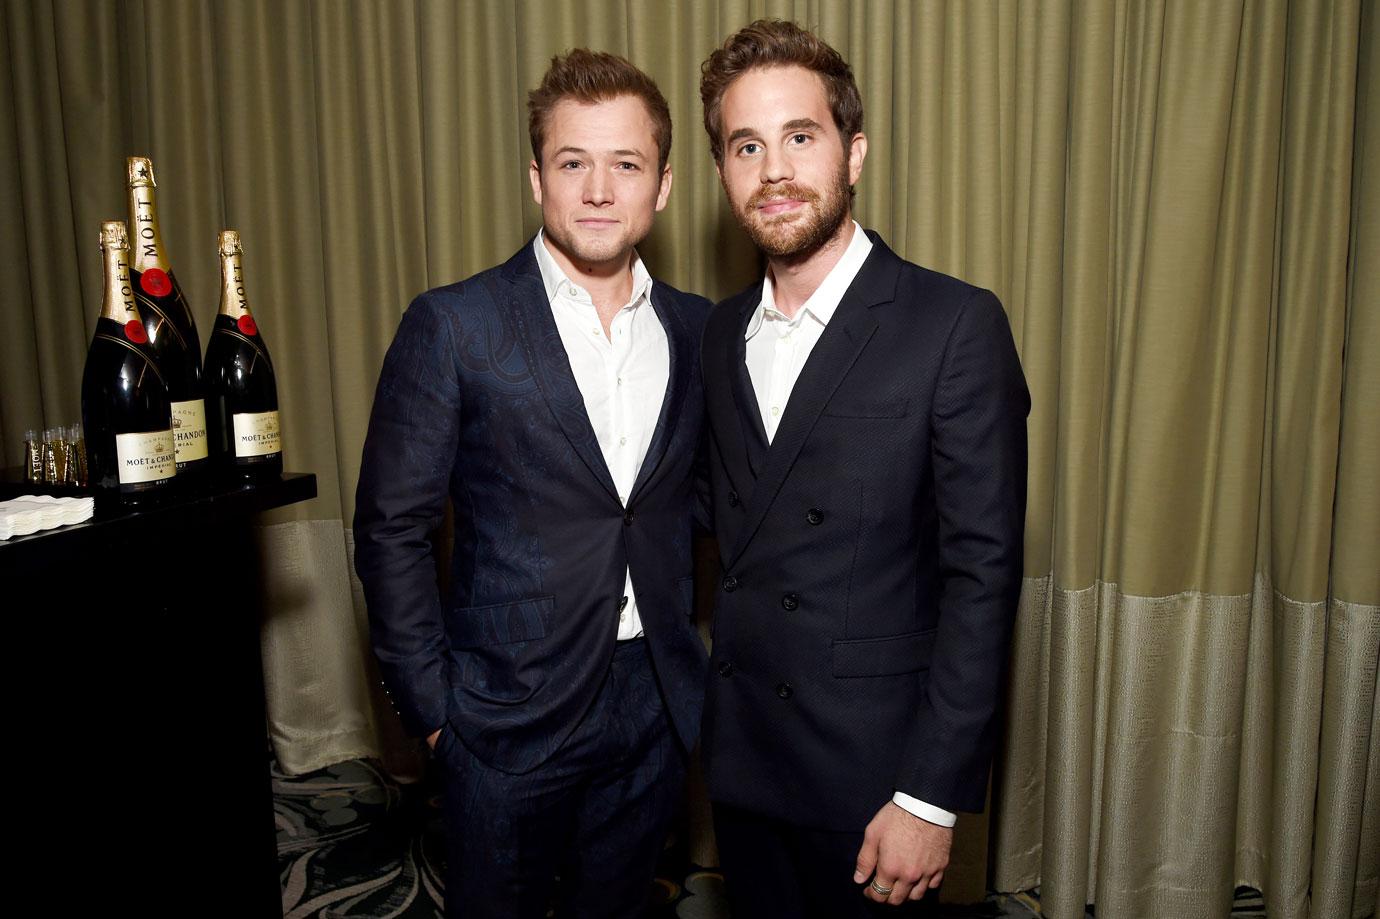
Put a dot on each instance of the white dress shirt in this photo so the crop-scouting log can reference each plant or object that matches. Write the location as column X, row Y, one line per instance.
column 777, row 348
column 622, row 377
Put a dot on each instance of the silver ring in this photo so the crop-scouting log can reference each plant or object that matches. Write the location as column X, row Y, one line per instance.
column 884, row 891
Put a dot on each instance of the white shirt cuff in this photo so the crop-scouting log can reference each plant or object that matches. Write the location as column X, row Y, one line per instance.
column 924, row 811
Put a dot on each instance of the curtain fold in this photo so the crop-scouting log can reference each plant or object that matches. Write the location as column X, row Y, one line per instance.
column 1178, row 204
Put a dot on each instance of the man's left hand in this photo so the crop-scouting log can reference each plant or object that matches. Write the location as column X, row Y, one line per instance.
column 904, row 853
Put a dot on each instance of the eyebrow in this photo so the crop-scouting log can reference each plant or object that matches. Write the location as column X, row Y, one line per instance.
column 740, row 134
column 580, row 151
column 795, row 124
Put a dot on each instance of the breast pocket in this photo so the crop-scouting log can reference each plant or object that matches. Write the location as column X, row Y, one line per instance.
column 856, row 405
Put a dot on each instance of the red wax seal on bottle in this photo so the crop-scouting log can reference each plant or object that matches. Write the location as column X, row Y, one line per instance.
column 247, row 325
column 134, row 331
column 155, row 282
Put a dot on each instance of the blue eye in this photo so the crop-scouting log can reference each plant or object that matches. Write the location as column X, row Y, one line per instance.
column 748, row 149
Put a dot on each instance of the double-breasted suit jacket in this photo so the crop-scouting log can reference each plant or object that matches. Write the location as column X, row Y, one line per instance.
column 871, row 554
column 477, row 405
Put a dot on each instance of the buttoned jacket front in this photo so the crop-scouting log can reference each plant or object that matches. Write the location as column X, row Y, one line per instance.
column 477, row 408
column 871, row 554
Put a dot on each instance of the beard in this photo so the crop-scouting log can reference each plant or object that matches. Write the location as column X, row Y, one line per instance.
column 788, row 236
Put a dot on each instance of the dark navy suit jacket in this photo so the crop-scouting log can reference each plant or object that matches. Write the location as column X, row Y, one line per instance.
column 477, row 404
column 872, row 554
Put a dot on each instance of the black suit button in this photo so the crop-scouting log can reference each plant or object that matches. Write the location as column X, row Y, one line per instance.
column 784, row 690
column 790, row 602
column 732, row 499
column 627, row 518
column 726, row 668
column 815, row 516
column 730, row 584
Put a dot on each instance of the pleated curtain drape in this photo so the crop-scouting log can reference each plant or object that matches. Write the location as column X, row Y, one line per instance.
column 1178, row 203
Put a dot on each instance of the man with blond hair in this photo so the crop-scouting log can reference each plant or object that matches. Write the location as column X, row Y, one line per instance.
column 868, row 458
column 555, row 402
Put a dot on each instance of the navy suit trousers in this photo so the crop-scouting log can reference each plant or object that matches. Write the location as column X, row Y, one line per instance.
column 596, row 813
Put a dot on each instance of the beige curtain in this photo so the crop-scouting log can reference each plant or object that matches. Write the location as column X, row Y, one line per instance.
column 1193, row 700
column 1173, row 200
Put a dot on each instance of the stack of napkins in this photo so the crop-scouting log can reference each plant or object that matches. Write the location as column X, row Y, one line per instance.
column 31, row 513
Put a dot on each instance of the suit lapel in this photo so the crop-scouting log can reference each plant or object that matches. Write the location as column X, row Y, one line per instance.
column 728, row 395
column 749, row 411
column 550, row 365
column 848, row 332
column 681, row 348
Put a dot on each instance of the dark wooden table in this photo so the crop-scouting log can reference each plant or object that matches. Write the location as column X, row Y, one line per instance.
column 136, row 696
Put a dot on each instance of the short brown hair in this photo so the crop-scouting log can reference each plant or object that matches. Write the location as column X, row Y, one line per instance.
column 596, row 76
column 777, row 43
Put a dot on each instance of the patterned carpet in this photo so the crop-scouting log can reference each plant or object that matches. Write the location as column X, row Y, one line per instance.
column 353, row 843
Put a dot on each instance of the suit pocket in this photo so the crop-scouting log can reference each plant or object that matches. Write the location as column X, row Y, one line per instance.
column 500, row 623
column 889, row 656
column 851, row 405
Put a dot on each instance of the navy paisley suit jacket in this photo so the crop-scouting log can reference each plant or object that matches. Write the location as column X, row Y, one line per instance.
column 872, row 553
column 477, row 404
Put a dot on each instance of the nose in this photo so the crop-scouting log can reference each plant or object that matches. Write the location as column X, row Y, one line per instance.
column 598, row 188
column 776, row 167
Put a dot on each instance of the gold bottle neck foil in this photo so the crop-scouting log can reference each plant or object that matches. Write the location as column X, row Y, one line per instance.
column 141, row 171
column 233, row 302
column 117, row 301
column 146, row 238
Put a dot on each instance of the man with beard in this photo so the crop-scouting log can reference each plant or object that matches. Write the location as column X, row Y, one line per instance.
column 555, row 403
column 868, row 458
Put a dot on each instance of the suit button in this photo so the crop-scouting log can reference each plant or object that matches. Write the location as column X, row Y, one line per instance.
column 790, row 602
column 726, row 668
column 815, row 516
column 784, row 690
column 730, row 584
column 732, row 499
column 627, row 518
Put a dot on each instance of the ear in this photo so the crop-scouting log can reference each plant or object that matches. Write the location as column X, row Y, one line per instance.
column 857, row 152
column 534, row 176
column 665, row 191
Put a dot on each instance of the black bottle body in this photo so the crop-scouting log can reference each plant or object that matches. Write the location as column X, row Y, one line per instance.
column 126, row 416
column 241, row 402
column 174, row 343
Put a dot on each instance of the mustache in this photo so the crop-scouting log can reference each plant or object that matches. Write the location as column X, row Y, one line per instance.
column 776, row 192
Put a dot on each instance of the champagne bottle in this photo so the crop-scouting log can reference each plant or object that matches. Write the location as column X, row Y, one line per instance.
column 241, row 391
column 125, row 410
column 168, row 322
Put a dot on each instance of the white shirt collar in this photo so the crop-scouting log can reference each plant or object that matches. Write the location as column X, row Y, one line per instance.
column 556, row 282
column 825, row 300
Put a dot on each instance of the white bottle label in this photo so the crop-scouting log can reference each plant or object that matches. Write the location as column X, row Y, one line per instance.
column 145, row 457
column 189, row 430
column 256, row 434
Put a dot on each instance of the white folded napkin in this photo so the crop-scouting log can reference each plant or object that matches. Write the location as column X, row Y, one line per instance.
column 31, row 513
